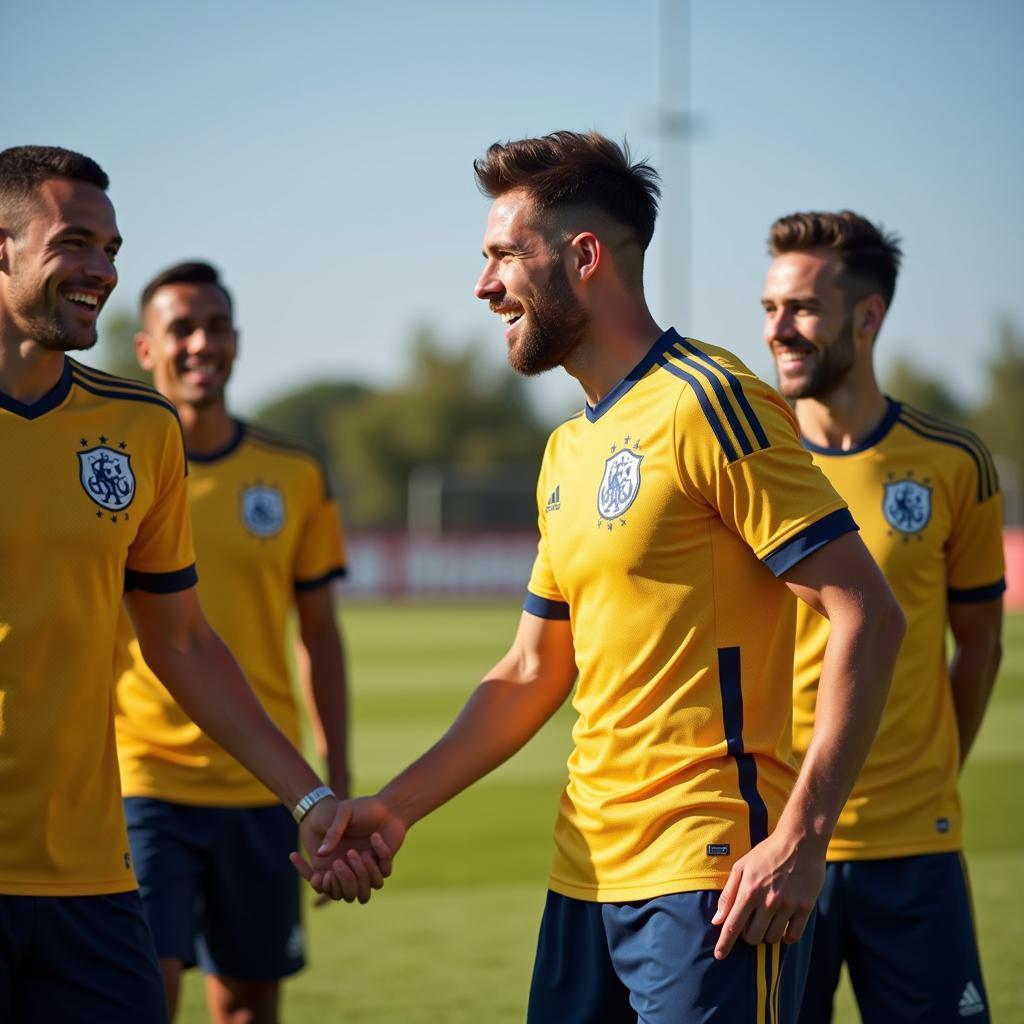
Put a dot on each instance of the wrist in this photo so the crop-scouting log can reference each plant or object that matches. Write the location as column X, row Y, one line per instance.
column 310, row 800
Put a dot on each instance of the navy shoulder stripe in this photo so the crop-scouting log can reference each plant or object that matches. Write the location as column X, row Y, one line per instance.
column 956, row 437
column 714, row 421
column 110, row 379
column 280, row 443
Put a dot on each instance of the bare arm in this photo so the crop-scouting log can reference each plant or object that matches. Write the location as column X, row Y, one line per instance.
column 321, row 662
column 771, row 891
column 977, row 634
column 508, row 707
column 202, row 675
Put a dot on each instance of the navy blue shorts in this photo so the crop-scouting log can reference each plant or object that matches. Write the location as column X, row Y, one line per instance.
column 653, row 961
column 905, row 929
column 217, row 886
column 78, row 960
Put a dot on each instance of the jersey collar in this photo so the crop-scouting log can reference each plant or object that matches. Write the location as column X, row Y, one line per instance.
column 44, row 404
column 595, row 412
column 876, row 436
column 222, row 453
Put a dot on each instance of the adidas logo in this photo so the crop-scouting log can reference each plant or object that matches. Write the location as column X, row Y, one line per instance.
column 555, row 501
column 971, row 1002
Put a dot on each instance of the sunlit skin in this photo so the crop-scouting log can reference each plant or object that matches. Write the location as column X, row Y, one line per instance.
column 524, row 281
column 189, row 342
column 570, row 285
column 822, row 340
column 56, row 274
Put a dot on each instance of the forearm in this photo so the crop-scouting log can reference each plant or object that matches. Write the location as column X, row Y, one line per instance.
column 497, row 720
column 855, row 677
column 325, row 683
column 972, row 675
column 206, row 681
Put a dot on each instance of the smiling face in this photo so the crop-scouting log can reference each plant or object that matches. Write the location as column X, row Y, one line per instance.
column 60, row 265
column 807, row 323
column 188, row 342
column 525, row 282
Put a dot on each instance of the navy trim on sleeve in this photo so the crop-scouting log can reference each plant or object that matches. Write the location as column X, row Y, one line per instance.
column 337, row 573
column 544, row 608
column 817, row 535
column 160, row 582
column 975, row 595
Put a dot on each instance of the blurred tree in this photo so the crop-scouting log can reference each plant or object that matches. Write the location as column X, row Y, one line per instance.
column 999, row 420
column 307, row 413
column 907, row 383
column 450, row 410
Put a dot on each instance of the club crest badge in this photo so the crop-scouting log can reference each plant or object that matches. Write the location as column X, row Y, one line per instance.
column 620, row 483
column 907, row 505
column 262, row 510
column 106, row 476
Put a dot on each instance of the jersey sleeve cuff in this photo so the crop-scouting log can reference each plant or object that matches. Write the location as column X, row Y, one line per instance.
column 160, row 582
column 815, row 536
column 974, row 595
column 337, row 573
column 544, row 608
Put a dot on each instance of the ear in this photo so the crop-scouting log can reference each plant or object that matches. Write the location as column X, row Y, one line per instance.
column 4, row 240
column 869, row 314
column 586, row 251
column 142, row 353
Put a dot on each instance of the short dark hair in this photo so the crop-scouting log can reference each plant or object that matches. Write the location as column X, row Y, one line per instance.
column 24, row 168
column 189, row 272
column 870, row 257
column 566, row 169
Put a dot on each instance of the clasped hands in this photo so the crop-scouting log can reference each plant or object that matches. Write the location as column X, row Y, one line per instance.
column 351, row 844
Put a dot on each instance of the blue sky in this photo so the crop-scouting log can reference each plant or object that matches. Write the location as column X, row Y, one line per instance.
column 321, row 154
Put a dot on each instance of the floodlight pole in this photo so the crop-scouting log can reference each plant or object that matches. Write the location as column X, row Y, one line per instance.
column 674, row 127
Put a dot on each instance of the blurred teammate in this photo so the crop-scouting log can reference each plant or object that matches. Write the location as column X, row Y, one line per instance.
column 205, row 833
column 92, row 471
column 677, row 513
column 895, row 905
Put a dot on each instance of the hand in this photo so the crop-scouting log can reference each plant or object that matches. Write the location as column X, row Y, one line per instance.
column 770, row 894
column 356, row 852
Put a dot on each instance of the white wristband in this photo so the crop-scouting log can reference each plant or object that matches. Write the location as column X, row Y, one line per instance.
column 313, row 797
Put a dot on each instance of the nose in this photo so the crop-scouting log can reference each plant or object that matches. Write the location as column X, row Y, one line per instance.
column 778, row 325
column 488, row 286
column 199, row 340
column 100, row 267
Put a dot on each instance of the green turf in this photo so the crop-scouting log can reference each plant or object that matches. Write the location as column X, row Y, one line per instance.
column 451, row 939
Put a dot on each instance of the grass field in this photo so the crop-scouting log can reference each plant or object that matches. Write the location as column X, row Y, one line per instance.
column 451, row 939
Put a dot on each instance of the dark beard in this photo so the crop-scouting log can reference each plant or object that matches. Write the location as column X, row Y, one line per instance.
column 45, row 328
column 557, row 325
column 834, row 363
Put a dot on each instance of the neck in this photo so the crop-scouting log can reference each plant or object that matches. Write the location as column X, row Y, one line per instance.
column 615, row 343
column 27, row 370
column 844, row 418
column 207, row 429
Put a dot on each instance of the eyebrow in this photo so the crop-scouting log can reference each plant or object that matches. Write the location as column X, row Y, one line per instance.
column 81, row 229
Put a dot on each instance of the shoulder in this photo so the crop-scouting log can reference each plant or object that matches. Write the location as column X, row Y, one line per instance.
column 119, row 389
column 286, row 452
column 723, row 401
column 961, row 449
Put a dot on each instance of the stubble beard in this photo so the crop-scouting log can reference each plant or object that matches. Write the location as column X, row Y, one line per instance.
column 45, row 327
column 556, row 326
column 834, row 364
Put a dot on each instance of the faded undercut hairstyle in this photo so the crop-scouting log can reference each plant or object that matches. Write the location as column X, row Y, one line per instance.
column 566, row 169
column 189, row 272
column 870, row 257
column 24, row 168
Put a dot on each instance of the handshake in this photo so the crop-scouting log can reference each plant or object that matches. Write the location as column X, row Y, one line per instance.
column 351, row 844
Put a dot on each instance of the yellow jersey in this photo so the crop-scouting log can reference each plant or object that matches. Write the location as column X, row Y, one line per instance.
column 94, row 502
column 926, row 496
column 667, row 514
column 265, row 526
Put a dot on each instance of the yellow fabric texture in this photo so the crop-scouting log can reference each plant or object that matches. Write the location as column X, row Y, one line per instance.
column 93, row 478
column 658, row 511
column 265, row 524
column 927, row 499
